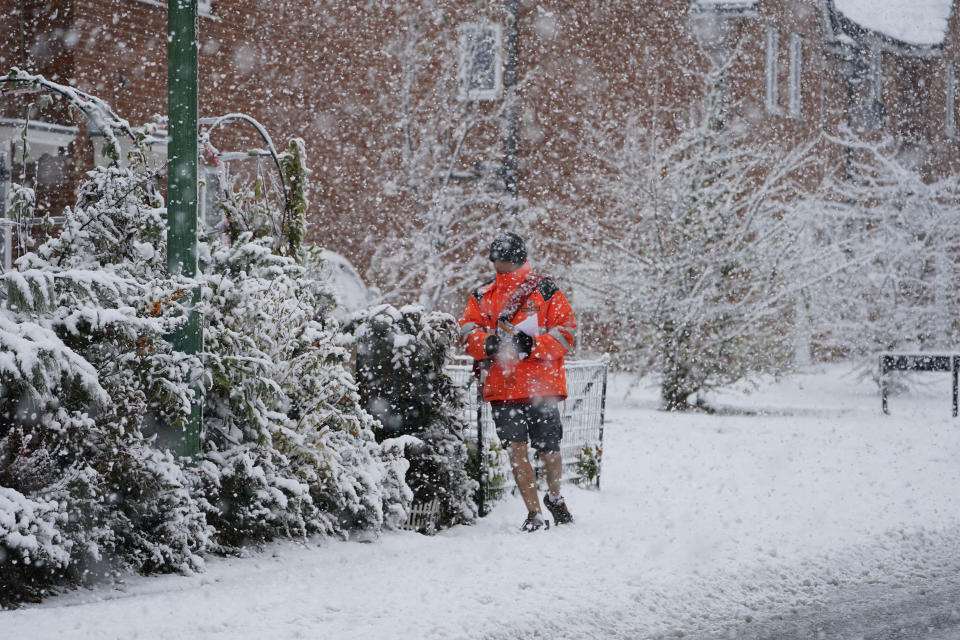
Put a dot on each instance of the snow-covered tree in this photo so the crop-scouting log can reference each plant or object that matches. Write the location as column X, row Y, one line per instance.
column 894, row 285
column 443, row 178
column 696, row 257
column 400, row 358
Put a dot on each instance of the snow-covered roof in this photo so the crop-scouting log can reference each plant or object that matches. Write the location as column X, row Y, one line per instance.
column 917, row 22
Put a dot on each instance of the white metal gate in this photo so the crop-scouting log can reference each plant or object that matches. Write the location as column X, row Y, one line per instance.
column 582, row 414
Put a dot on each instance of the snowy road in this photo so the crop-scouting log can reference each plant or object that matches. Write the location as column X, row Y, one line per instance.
column 928, row 611
column 803, row 508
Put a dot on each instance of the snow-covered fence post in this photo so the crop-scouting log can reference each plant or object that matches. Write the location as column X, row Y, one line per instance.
column 182, row 189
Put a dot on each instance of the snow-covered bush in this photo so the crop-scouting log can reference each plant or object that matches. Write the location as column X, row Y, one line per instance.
column 86, row 374
column 289, row 450
column 400, row 359
column 90, row 387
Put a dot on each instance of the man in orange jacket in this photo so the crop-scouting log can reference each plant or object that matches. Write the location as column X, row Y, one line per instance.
column 518, row 328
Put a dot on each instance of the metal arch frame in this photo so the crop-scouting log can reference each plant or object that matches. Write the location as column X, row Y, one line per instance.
column 213, row 123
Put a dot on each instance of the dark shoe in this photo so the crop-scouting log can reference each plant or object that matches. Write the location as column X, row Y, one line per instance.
column 534, row 522
column 558, row 509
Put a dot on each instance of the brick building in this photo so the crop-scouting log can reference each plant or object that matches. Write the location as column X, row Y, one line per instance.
column 328, row 72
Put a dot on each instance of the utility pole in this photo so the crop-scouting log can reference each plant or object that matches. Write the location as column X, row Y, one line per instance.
column 182, row 188
column 509, row 82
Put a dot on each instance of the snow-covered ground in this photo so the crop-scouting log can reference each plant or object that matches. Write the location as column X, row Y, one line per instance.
column 794, row 494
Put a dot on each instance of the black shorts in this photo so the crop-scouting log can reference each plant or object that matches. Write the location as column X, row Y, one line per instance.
column 538, row 422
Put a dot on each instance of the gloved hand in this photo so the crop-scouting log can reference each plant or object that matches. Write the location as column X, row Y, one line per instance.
column 523, row 343
column 491, row 346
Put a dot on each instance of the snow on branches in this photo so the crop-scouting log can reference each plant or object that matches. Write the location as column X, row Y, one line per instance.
column 291, row 450
column 83, row 321
column 444, row 194
column 400, row 358
column 695, row 258
column 90, row 386
column 893, row 278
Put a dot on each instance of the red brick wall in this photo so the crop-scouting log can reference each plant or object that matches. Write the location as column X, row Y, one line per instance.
column 318, row 71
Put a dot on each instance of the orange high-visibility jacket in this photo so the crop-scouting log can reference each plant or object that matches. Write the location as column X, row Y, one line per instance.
column 539, row 375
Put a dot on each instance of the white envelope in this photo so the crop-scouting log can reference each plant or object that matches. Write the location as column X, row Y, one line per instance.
column 529, row 326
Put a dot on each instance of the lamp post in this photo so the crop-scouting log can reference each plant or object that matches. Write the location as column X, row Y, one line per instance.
column 182, row 189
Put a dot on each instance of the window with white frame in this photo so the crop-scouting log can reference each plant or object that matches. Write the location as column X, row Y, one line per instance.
column 481, row 60
column 951, row 101
column 773, row 70
column 795, row 77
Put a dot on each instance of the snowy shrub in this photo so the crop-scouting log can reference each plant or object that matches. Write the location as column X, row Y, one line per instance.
column 292, row 449
column 90, row 387
column 588, row 464
column 32, row 544
column 289, row 449
column 400, row 358
column 87, row 375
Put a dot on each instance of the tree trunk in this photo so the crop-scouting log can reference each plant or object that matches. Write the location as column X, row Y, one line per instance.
column 676, row 385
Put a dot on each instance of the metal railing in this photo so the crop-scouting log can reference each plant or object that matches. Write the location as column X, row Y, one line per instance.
column 582, row 414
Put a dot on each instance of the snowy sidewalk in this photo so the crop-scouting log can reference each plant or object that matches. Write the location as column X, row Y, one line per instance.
column 703, row 522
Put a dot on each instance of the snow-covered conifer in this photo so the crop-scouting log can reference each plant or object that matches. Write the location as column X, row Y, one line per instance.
column 87, row 375
column 400, row 359
column 288, row 450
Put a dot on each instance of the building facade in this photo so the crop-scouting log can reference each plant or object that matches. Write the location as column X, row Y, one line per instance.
column 538, row 77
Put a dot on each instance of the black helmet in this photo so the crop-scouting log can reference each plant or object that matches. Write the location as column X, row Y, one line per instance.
column 508, row 247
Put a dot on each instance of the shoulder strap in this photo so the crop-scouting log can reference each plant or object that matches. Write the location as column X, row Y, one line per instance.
column 526, row 288
column 480, row 291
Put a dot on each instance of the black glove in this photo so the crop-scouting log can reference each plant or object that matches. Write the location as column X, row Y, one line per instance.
column 523, row 343
column 491, row 345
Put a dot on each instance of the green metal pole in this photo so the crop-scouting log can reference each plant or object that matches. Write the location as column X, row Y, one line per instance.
column 182, row 191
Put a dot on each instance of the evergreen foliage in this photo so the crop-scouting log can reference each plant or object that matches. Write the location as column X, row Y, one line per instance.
column 293, row 450
column 400, row 359
column 293, row 164
column 86, row 375
column 90, row 386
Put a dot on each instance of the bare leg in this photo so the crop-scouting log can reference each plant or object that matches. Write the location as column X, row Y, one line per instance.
column 553, row 465
column 523, row 474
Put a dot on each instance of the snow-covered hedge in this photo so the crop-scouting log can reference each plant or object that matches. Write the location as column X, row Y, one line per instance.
column 85, row 374
column 88, row 381
column 400, row 358
column 289, row 450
